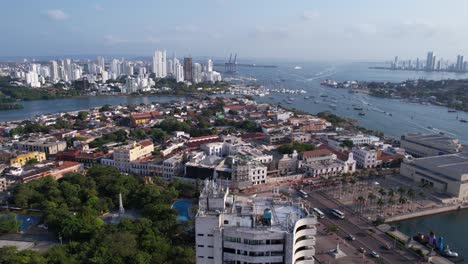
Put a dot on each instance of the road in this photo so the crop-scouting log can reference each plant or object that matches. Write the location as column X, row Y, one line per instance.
column 353, row 225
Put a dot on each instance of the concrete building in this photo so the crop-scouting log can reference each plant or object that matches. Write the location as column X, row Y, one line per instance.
column 246, row 172
column 366, row 157
column 22, row 158
column 447, row 174
column 252, row 230
column 188, row 69
column 123, row 156
column 419, row 145
column 50, row 147
column 159, row 64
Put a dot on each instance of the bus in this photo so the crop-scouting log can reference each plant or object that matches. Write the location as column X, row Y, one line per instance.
column 319, row 213
column 337, row 213
column 303, row 194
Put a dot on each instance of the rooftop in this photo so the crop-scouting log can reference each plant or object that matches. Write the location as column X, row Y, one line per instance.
column 454, row 166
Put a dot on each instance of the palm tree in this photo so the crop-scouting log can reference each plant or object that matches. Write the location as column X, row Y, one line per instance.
column 411, row 194
column 353, row 183
column 361, row 200
column 371, row 197
column 380, row 204
column 391, row 193
column 403, row 200
column 382, row 192
column 391, row 202
column 401, row 190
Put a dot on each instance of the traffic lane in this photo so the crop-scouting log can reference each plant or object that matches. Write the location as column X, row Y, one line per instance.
column 362, row 240
column 365, row 241
column 352, row 219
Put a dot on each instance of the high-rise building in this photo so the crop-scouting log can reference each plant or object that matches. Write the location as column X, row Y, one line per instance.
column 170, row 67
column 246, row 229
column 460, row 63
column 209, row 65
column 417, row 64
column 115, row 67
column 197, row 73
column 159, row 64
column 395, row 63
column 430, row 61
column 178, row 71
column 188, row 75
column 54, row 73
column 100, row 62
column 130, row 85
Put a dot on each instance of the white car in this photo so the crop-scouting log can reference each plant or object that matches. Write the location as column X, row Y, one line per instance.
column 375, row 254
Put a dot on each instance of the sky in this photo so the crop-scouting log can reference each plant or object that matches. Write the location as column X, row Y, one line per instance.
column 278, row 29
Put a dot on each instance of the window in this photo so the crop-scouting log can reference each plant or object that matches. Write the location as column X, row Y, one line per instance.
column 200, row 235
column 200, row 246
column 226, row 222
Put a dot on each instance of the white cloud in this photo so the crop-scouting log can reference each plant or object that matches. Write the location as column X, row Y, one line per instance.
column 310, row 14
column 56, row 14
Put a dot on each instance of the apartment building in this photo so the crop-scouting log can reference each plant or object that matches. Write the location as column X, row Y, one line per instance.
column 244, row 230
column 123, row 156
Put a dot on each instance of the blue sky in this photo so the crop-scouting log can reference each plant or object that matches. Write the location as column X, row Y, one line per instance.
column 307, row 29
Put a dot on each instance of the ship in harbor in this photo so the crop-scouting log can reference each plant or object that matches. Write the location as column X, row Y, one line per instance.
column 329, row 83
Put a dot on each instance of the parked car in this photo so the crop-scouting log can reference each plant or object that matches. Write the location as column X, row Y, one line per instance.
column 375, row 254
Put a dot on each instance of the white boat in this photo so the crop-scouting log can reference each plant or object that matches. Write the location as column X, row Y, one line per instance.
column 298, row 68
column 450, row 253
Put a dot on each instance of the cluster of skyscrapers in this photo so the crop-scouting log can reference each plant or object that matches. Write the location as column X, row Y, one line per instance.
column 137, row 73
column 431, row 64
column 188, row 71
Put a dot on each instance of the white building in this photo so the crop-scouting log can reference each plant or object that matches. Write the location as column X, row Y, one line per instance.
column 238, row 229
column 54, row 73
column 100, row 62
column 209, row 65
column 197, row 72
column 159, row 64
column 178, row 71
column 366, row 157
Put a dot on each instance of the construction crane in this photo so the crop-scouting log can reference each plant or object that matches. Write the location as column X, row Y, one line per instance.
column 231, row 66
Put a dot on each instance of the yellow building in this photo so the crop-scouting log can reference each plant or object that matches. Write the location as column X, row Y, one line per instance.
column 20, row 159
column 133, row 151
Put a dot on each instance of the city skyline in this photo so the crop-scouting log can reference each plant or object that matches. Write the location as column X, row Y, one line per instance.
column 307, row 30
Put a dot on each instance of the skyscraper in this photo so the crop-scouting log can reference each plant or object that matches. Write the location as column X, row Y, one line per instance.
column 100, row 62
column 209, row 65
column 159, row 64
column 197, row 72
column 430, row 61
column 178, row 71
column 460, row 64
column 395, row 63
column 188, row 75
column 54, row 74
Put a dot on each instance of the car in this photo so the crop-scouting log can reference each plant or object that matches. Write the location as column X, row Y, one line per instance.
column 362, row 250
column 375, row 254
column 351, row 237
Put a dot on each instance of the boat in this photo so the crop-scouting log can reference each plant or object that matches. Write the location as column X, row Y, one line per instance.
column 298, row 68
column 316, row 102
column 329, row 83
column 362, row 114
column 358, row 108
column 323, row 95
column 452, row 111
column 449, row 253
column 333, row 106
column 463, row 120
column 306, row 97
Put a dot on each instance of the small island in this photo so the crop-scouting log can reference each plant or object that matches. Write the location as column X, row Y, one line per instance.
column 450, row 93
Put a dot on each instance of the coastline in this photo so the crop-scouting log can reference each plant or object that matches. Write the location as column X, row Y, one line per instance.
column 430, row 212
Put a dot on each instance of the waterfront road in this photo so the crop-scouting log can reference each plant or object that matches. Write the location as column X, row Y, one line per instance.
column 374, row 240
